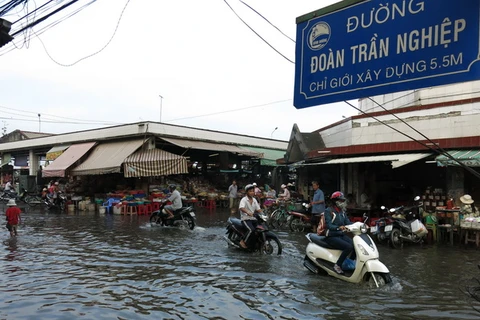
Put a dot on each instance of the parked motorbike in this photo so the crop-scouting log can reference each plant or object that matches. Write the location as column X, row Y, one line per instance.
column 265, row 240
column 183, row 217
column 407, row 225
column 56, row 204
column 300, row 220
column 7, row 195
column 383, row 226
column 320, row 256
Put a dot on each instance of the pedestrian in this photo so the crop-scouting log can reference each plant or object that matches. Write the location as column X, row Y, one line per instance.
column 318, row 204
column 13, row 217
column 232, row 196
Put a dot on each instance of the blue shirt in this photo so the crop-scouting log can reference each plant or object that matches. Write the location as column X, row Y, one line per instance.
column 318, row 207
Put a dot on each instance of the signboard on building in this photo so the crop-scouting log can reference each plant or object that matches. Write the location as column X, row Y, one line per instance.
column 357, row 48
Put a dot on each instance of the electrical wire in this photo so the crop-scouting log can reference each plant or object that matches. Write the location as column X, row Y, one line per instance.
column 257, row 33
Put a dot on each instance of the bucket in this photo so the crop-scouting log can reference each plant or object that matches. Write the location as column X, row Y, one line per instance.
column 71, row 208
column 101, row 210
column 91, row 207
column 81, row 205
column 117, row 210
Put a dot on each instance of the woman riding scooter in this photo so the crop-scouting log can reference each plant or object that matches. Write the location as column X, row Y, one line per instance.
column 336, row 219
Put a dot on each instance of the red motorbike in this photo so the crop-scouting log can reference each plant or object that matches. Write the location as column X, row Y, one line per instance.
column 300, row 220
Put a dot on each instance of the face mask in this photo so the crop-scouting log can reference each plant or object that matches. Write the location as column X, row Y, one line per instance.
column 341, row 204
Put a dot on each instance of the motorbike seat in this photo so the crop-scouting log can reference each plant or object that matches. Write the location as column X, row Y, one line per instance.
column 320, row 240
column 236, row 222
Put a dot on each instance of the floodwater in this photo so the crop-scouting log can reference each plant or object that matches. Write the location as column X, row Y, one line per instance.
column 91, row 266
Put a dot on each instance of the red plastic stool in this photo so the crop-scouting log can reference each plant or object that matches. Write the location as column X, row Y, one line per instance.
column 155, row 206
column 148, row 208
column 123, row 209
column 141, row 209
column 132, row 209
column 210, row 204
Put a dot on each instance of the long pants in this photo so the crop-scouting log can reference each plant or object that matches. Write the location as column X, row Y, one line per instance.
column 344, row 243
column 249, row 224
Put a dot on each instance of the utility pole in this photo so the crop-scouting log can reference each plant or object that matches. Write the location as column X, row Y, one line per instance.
column 39, row 124
column 161, row 100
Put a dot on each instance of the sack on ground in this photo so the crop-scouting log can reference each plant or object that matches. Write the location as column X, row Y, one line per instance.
column 322, row 226
column 348, row 265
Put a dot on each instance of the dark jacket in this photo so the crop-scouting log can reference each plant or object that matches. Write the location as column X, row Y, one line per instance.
column 334, row 218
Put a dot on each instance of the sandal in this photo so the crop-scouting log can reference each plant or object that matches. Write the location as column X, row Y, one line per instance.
column 243, row 244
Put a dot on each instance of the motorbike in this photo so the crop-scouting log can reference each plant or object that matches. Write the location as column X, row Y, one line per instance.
column 7, row 195
column 183, row 217
column 265, row 241
column 407, row 225
column 321, row 257
column 301, row 220
column 383, row 226
column 59, row 203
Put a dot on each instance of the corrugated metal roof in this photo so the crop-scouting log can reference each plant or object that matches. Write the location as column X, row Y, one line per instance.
column 397, row 160
column 203, row 145
column 140, row 130
column 470, row 158
column 270, row 156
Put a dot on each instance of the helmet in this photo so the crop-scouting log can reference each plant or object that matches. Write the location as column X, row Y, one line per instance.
column 249, row 187
column 337, row 195
column 254, row 184
column 172, row 186
column 283, row 186
column 56, row 183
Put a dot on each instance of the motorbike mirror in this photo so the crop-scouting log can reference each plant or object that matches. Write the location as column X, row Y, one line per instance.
column 416, row 198
column 392, row 210
column 383, row 207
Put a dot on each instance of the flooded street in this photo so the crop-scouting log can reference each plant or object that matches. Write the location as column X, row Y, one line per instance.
column 90, row 266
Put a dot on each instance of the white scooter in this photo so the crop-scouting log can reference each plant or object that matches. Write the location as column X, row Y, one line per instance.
column 321, row 256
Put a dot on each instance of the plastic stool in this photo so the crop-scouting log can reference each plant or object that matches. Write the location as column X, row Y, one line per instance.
column 123, row 209
column 141, row 209
column 433, row 227
column 132, row 209
column 155, row 206
column 210, row 204
column 148, row 208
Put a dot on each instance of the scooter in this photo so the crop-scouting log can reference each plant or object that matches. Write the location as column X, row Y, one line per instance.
column 59, row 203
column 383, row 226
column 407, row 226
column 299, row 221
column 320, row 256
column 183, row 217
column 265, row 241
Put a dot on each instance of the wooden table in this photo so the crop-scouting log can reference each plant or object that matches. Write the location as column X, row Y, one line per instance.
column 448, row 215
column 471, row 230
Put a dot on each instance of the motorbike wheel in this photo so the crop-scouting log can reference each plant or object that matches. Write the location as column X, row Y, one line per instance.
column 272, row 221
column 296, row 225
column 31, row 201
column 154, row 218
column 381, row 238
column 271, row 246
column 191, row 222
column 395, row 240
column 382, row 280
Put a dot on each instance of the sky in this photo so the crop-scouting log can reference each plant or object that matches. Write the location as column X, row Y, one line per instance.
column 210, row 69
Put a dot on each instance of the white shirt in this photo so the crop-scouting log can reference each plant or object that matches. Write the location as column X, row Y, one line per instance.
column 232, row 191
column 8, row 186
column 285, row 194
column 176, row 200
column 250, row 206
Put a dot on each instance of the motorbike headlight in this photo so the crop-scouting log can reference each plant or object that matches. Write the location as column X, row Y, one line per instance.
column 362, row 249
column 363, row 228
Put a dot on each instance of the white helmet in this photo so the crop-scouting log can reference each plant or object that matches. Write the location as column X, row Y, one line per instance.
column 283, row 186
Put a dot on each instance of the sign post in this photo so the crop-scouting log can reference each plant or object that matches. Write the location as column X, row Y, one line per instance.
column 370, row 47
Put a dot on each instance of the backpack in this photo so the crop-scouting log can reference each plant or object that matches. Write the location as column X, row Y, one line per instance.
column 322, row 225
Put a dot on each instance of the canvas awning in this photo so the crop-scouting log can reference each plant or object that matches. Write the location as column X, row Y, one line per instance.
column 58, row 167
column 154, row 162
column 219, row 147
column 469, row 158
column 397, row 160
column 107, row 157
column 55, row 152
column 269, row 156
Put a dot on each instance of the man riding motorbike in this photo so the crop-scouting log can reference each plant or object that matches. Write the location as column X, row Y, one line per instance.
column 176, row 200
column 336, row 219
column 248, row 207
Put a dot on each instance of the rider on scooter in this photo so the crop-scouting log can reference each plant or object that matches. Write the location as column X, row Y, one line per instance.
column 176, row 200
column 336, row 219
column 248, row 207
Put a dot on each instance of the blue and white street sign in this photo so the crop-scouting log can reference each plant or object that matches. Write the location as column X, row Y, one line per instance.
column 375, row 47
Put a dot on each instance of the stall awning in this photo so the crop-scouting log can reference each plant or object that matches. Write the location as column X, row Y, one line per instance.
column 203, row 145
column 470, row 158
column 107, row 157
column 397, row 160
column 269, row 157
column 56, row 151
column 58, row 167
column 154, row 162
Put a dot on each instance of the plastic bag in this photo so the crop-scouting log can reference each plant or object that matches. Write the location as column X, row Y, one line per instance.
column 348, row 265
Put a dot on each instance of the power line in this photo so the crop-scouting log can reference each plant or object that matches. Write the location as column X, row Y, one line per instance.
column 257, row 33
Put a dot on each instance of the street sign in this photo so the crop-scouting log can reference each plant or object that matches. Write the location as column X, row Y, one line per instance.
column 374, row 47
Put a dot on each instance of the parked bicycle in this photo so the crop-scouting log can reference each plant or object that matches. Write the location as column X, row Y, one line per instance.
column 279, row 217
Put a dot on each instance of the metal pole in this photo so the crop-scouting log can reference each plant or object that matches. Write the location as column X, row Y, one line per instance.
column 39, row 124
column 273, row 132
column 161, row 100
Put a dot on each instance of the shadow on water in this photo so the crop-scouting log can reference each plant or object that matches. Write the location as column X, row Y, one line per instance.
column 65, row 266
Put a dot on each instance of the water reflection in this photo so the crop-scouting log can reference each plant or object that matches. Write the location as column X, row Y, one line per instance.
column 103, row 267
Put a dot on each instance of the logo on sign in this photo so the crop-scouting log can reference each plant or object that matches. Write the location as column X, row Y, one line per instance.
column 319, row 35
